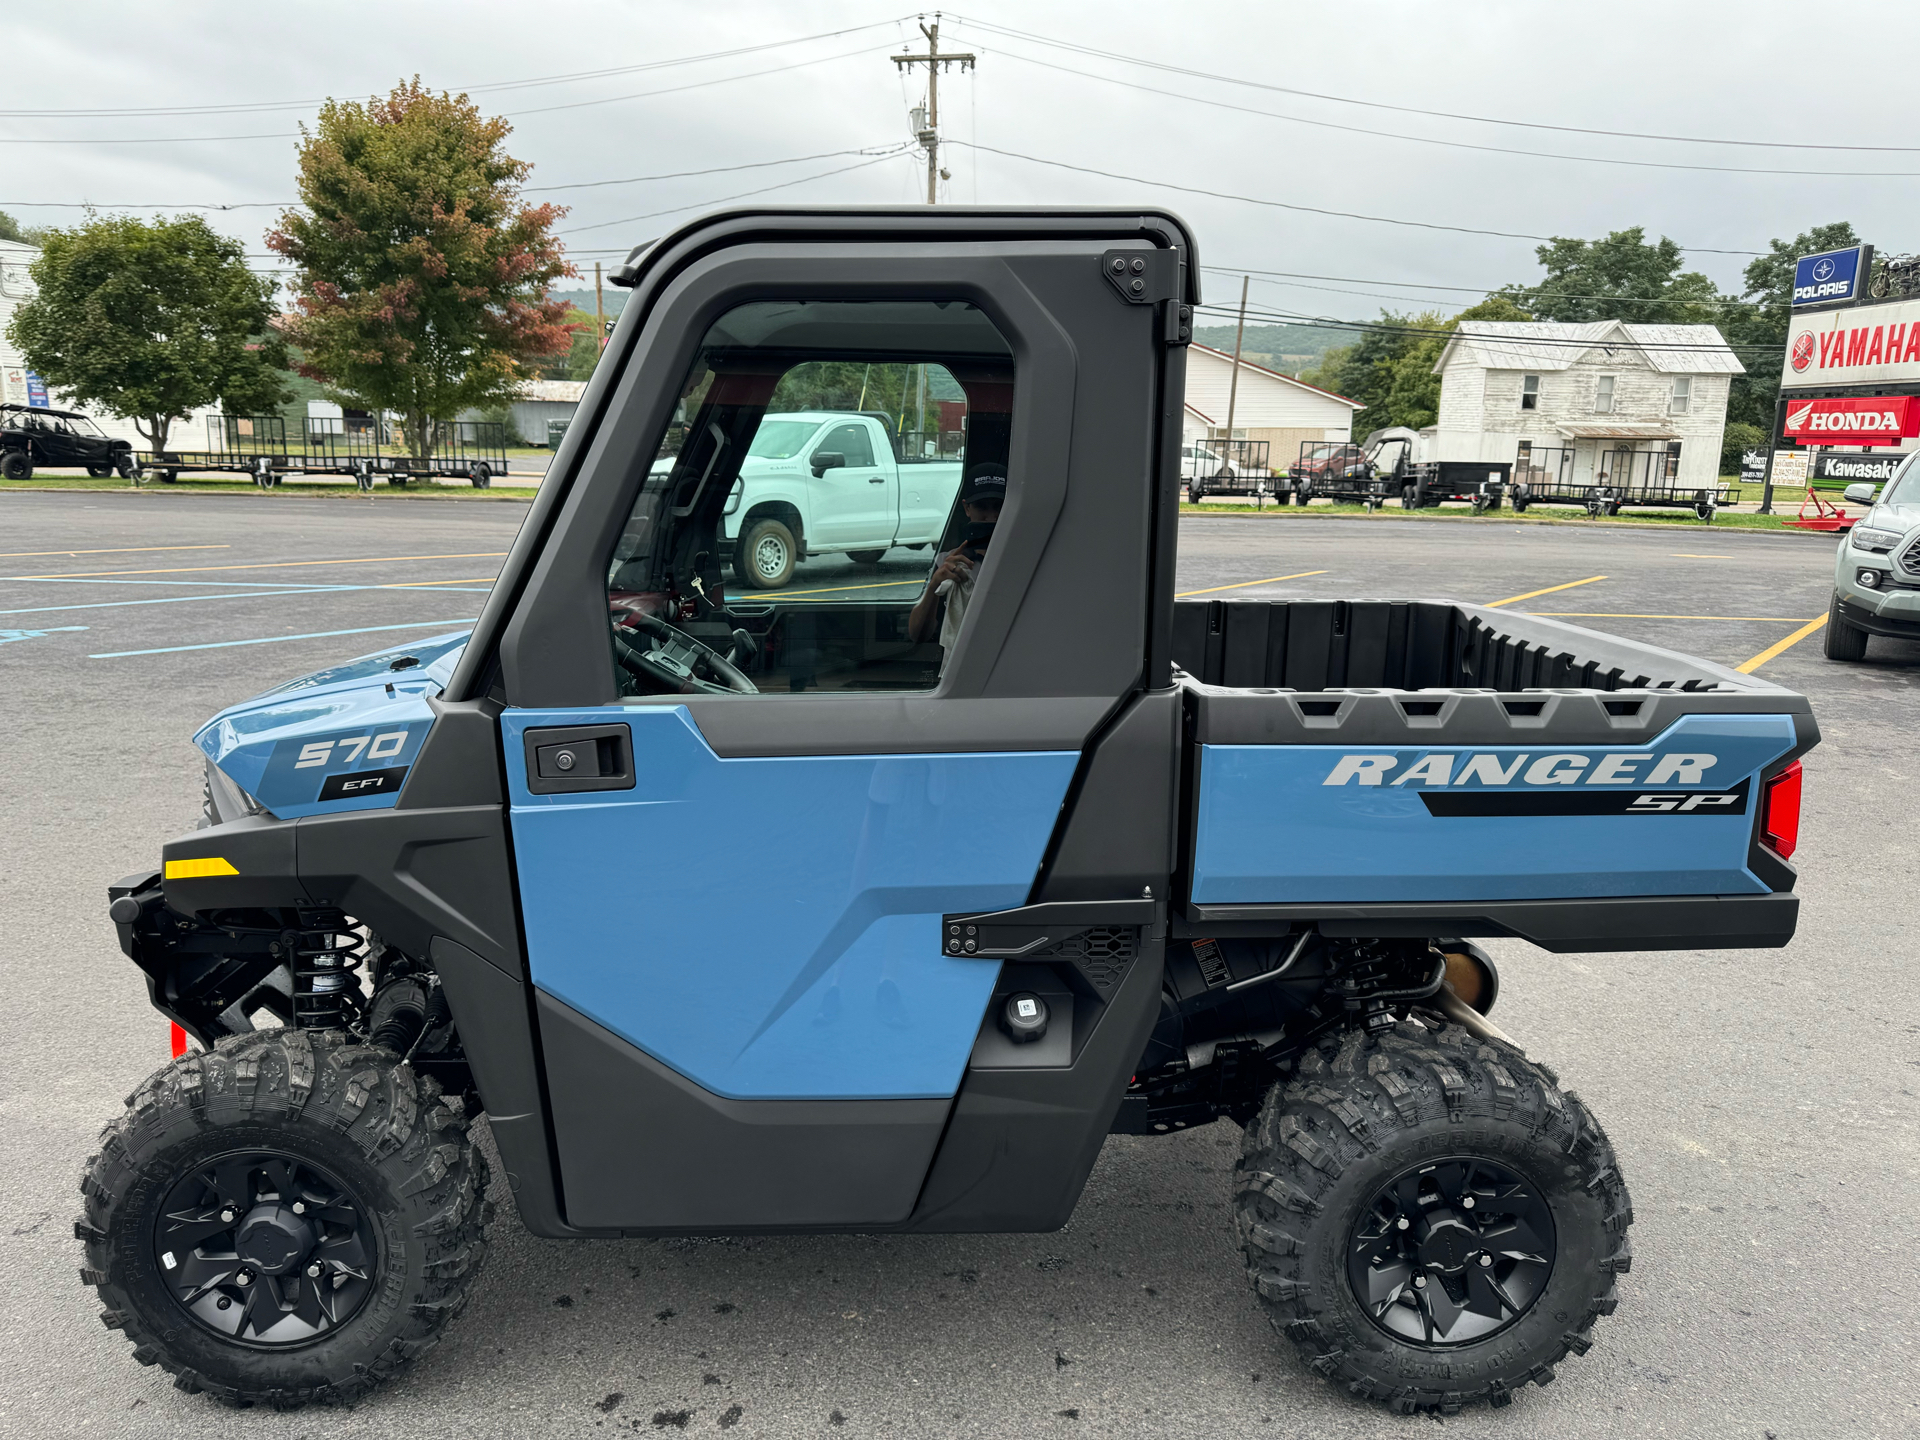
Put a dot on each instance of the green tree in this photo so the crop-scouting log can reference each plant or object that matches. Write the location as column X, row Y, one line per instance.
column 1414, row 390
column 151, row 319
column 11, row 229
column 1737, row 439
column 1769, row 282
column 577, row 361
column 423, row 276
column 1620, row 278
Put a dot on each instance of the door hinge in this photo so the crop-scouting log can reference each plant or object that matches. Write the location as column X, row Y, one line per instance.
column 1143, row 277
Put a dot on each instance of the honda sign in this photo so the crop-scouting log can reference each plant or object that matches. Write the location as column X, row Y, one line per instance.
column 1878, row 420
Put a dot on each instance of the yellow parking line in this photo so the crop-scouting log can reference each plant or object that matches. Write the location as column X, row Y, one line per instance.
column 1529, row 595
column 1749, row 667
column 1244, row 584
column 266, row 565
column 1643, row 615
column 109, row 550
column 1688, row 555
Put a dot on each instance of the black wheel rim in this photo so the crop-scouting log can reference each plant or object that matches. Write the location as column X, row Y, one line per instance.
column 265, row 1249
column 1451, row 1252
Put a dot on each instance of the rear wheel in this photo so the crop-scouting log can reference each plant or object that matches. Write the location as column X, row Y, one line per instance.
column 14, row 465
column 1839, row 640
column 766, row 555
column 481, row 477
column 100, row 472
column 1430, row 1218
column 866, row 557
column 287, row 1218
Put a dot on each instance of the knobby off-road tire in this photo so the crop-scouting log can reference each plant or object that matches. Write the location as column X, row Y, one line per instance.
column 345, row 1115
column 1353, row 1125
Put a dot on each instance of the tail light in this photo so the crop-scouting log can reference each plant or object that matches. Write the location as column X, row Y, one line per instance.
column 1781, row 811
column 177, row 1041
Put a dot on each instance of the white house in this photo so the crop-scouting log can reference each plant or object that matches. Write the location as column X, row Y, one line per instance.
column 1268, row 406
column 1572, row 405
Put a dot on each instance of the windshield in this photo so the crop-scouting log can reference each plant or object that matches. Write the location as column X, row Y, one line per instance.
column 781, row 439
column 1901, row 490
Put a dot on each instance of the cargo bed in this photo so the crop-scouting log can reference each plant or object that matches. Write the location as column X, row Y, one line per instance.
column 1403, row 767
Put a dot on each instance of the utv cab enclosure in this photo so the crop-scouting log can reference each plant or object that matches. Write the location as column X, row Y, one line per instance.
column 752, row 912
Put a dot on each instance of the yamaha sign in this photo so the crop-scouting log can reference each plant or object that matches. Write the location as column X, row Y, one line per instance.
column 1832, row 278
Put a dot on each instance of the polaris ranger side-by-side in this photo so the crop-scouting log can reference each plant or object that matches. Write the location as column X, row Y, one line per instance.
column 766, row 912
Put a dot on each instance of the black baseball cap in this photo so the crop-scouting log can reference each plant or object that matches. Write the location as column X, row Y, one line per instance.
column 986, row 482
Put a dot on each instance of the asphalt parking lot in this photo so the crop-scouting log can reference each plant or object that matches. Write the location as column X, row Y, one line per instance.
column 1763, row 1103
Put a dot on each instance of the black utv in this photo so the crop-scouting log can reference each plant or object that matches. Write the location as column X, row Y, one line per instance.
column 35, row 436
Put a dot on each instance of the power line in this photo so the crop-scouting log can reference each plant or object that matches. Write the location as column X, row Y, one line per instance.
column 525, row 190
column 1542, row 341
column 1469, row 289
column 1303, row 209
column 743, row 195
column 1449, row 144
column 1414, row 110
column 567, row 79
column 538, row 110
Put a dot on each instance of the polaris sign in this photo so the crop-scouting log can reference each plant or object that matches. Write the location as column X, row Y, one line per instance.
column 1832, row 278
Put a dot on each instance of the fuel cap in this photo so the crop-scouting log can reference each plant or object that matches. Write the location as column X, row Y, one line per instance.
column 1024, row 1017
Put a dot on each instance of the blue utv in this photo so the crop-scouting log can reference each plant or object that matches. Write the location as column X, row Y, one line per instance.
column 815, row 909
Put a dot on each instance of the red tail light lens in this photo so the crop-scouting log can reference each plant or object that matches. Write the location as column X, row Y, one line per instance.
column 177, row 1041
column 1781, row 811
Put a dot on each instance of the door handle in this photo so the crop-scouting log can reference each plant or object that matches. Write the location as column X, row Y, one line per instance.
column 877, row 480
column 579, row 758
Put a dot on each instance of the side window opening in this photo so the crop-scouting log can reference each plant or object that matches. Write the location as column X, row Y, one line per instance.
column 817, row 511
column 1530, row 392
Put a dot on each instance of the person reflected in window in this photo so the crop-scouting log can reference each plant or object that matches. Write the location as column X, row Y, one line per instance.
column 950, row 588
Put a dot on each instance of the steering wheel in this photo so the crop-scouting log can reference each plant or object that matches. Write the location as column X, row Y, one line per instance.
column 678, row 663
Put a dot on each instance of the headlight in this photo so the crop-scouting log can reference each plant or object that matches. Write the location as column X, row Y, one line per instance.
column 1867, row 538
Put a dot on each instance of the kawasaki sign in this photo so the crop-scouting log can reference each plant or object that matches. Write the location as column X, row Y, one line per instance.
column 1832, row 278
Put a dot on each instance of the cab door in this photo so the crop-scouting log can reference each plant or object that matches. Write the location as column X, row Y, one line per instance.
column 732, row 896
column 854, row 504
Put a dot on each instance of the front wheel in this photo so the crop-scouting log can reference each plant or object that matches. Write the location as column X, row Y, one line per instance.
column 290, row 1217
column 1839, row 640
column 766, row 554
column 1430, row 1218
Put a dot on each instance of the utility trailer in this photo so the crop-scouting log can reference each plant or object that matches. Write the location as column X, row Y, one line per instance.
column 1382, row 467
column 880, row 913
column 257, row 445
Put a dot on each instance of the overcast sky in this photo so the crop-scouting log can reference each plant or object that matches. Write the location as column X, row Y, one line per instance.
column 1837, row 74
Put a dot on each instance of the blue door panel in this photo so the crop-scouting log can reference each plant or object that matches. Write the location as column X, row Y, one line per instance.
column 1290, row 823
column 770, row 927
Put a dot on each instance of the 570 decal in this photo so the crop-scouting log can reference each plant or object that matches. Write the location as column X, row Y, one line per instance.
column 377, row 748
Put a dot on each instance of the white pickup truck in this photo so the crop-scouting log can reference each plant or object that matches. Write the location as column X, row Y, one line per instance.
column 818, row 482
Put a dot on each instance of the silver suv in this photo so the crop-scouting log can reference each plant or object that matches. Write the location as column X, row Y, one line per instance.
column 1878, row 568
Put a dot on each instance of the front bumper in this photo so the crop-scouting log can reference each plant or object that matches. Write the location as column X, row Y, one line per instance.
column 1895, row 615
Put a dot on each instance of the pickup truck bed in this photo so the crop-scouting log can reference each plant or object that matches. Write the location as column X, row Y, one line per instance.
column 1427, row 765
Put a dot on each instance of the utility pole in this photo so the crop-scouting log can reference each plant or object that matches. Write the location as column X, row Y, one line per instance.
column 600, row 313
column 927, row 120
column 1234, row 378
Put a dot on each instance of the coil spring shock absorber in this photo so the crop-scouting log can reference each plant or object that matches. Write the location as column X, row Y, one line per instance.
column 323, row 955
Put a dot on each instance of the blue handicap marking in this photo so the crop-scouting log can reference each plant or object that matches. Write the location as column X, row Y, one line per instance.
column 7, row 635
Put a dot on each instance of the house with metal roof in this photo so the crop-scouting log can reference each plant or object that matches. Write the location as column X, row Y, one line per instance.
column 1268, row 407
column 1576, row 405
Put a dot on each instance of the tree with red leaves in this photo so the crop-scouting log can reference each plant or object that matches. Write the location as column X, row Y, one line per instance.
column 423, row 276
